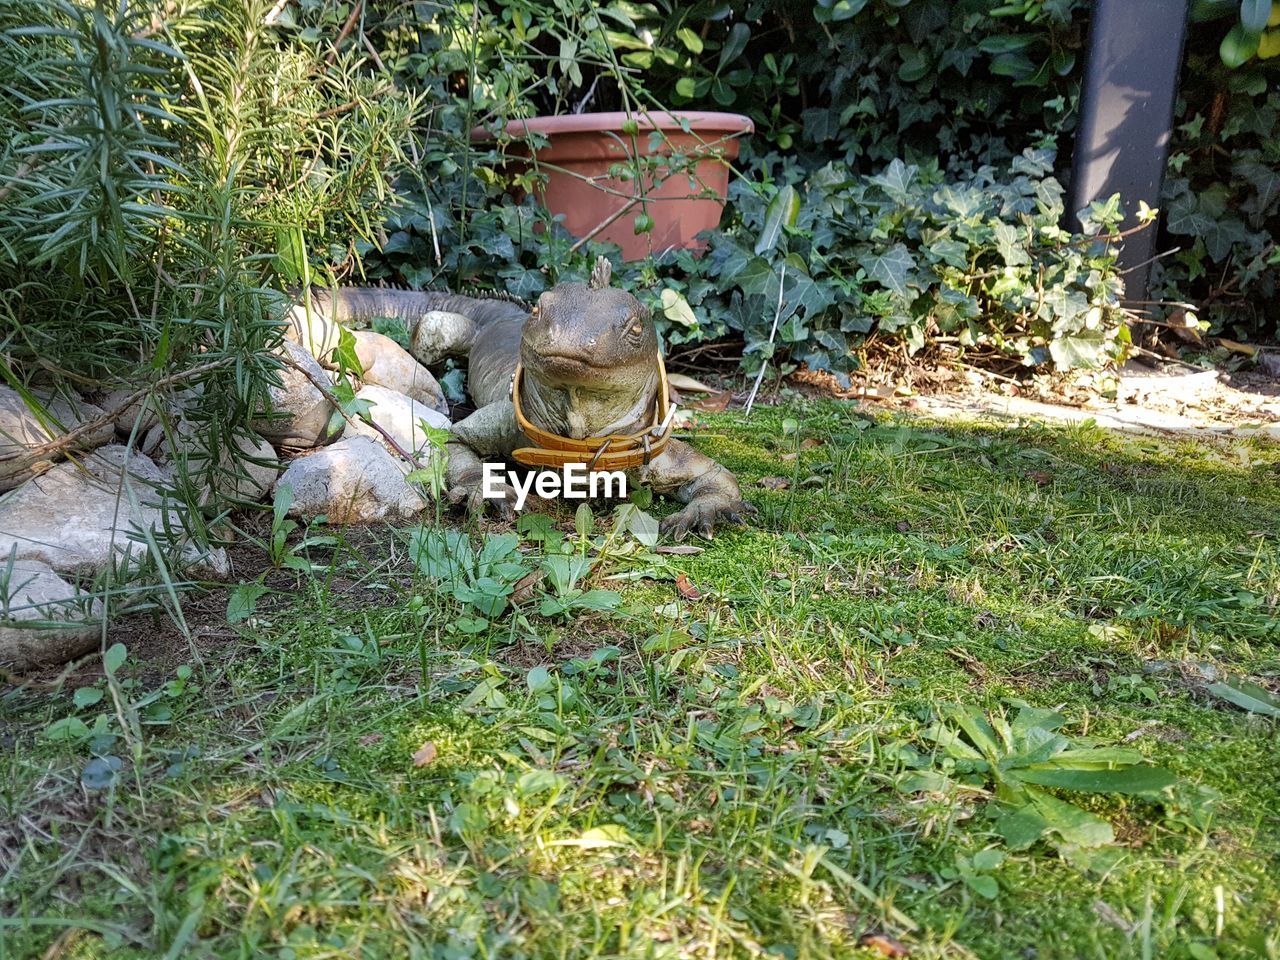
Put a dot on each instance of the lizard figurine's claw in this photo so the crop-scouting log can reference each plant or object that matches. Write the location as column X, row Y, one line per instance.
column 471, row 493
column 703, row 514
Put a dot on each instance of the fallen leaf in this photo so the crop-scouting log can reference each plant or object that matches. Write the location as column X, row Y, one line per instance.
column 808, row 443
column 903, row 526
column 1041, row 478
column 368, row 740
column 688, row 384
column 1109, row 913
column 522, row 589
column 885, row 946
column 679, row 549
column 788, row 457
column 716, row 403
column 686, row 588
column 775, row 483
column 425, row 754
column 1231, row 346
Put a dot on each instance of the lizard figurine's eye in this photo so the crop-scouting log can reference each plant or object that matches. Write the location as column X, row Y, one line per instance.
column 533, row 311
column 637, row 329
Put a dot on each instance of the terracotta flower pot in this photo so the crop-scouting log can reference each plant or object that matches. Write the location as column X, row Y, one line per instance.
column 684, row 192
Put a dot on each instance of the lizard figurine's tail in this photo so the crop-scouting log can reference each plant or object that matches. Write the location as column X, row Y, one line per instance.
column 439, row 324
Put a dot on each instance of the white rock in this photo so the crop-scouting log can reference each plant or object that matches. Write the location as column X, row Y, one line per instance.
column 140, row 413
column 79, row 517
column 247, row 468
column 260, row 466
column 352, row 481
column 153, row 444
column 400, row 416
column 387, row 364
column 304, row 411
column 21, row 431
column 312, row 331
column 32, row 593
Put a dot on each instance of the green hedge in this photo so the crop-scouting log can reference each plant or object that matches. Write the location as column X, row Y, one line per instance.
column 839, row 90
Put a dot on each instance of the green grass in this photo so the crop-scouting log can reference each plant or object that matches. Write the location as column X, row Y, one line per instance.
column 721, row 777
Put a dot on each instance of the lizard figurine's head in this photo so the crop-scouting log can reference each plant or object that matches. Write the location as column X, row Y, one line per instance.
column 590, row 336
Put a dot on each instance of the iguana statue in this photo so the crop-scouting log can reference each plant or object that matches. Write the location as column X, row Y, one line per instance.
column 578, row 378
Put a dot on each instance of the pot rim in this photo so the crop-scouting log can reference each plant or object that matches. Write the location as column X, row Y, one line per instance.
column 700, row 121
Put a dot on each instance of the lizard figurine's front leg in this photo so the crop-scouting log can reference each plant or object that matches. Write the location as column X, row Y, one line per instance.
column 489, row 433
column 709, row 491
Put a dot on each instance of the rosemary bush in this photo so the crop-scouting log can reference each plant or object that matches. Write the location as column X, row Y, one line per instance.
column 165, row 168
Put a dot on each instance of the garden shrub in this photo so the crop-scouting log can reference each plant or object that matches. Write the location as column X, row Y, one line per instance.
column 845, row 87
column 980, row 264
column 960, row 246
column 1222, row 194
column 161, row 167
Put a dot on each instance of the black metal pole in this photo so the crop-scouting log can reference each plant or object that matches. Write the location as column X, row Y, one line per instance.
column 1126, row 117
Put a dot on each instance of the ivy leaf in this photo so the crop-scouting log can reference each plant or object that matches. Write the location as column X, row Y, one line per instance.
column 964, row 202
column 676, row 308
column 805, row 293
column 1009, row 242
column 1265, row 180
column 758, row 278
column 1185, row 217
column 783, row 211
column 1223, row 234
column 953, row 306
column 1067, row 304
column 952, row 252
column 896, row 180
column 1034, row 163
column 915, row 63
column 1086, row 349
column 890, row 268
column 393, row 327
column 345, row 354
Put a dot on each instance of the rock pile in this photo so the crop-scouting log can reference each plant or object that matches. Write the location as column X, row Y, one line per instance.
column 91, row 486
